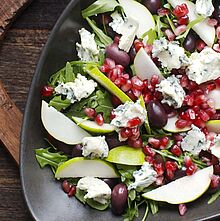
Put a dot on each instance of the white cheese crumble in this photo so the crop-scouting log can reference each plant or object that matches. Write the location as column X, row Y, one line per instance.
column 75, row 91
column 170, row 54
column 143, row 177
column 95, row 147
column 96, row 189
column 195, row 141
column 204, row 66
column 172, row 91
column 125, row 112
column 127, row 27
column 204, row 7
column 88, row 49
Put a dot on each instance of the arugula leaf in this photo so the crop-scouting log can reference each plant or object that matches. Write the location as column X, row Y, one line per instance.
column 152, row 36
column 146, row 212
column 153, row 206
column 214, row 197
column 69, row 75
column 100, row 6
column 105, row 39
column 58, row 103
column 45, row 157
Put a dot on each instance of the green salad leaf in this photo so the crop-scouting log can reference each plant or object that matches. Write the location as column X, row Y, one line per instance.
column 214, row 197
column 100, row 6
column 45, row 157
column 59, row 103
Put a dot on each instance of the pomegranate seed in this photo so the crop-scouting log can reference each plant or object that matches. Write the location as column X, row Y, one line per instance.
column 148, row 48
column 66, row 186
column 181, row 123
column 116, row 39
column 200, row 99
column 216, row 47
column 198, row 92
column 110, row 63
column 135, row 133
column 214, row 181
column 134, row 122
column 126, row 76
column 210, row 111
column 203, row 115
column 160, row 180
column 158, row 95
column 171, row 165
column 112, row 115
column 163, row 11
column 184, row 20
column 218, row 32
column 164, row 141
column 212, row 22
column 192, row 85
column 115, row 101
column 184, row 81
column 182, row 209
column 99, row 119
column 137, row 83
column 127, row 86
column 138, row 45
column 176, row 150
column 149, row 159
column 188, row 161
column 210, row 87
column 177, row 137
column 189, row 100
column 180, row 29
column 154, row 80
column 199, row 123
column 148, row 151
column 154, row 142
column 200, row 44
column 125, row 132
column 131, row 95
column 170, row 35
column 47, row 91
column 169, row 174
column 159, row 168
column 104, row 68
column 148, row 97
column 119, row 67
column 211, row 136
column 119, row 81
column 113, row 74
column 90, row 112
column 191, row 113
column 72, row 191
column 180, row 10
column 136, row 92
column 135, row 143
column 191, row 170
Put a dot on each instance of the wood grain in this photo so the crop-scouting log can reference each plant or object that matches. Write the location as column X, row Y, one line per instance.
column 10, row 120
column 9, row 10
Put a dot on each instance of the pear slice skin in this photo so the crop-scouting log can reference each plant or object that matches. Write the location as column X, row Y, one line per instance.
column 98, row 76
column 81, row 167
column 213, row 126
column 93, row 127
column 61, row 127
column 215, row 95
column 183, row 190
column 126, row 155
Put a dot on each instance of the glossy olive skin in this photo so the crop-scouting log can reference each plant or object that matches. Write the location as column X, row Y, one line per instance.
column 216, row 13
column 77, row 150
column 156, row 114
column 119, row 199
column 153, row 5
column 119, row 56
column 112, row 182
column 189, row 43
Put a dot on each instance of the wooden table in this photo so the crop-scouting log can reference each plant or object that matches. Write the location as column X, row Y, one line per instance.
column 19, row 54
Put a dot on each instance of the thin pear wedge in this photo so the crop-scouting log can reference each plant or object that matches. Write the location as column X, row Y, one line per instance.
column 213, row 126
column 183, row 190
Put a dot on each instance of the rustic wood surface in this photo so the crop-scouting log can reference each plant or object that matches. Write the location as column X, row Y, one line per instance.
column 19, row 54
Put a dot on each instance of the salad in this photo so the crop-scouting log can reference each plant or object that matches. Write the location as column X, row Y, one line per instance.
column 134, row 122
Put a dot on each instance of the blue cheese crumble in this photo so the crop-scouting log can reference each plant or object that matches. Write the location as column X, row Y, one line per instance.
column 204, row 66
column 127, row 27
column 172, row 91
column 204, row 7
column 143, row 177
column 88, row 49
column 195, row 141
column 125, row 112
column 95, row 147
column 96, row 189
column 75, row 91
column 170, row 54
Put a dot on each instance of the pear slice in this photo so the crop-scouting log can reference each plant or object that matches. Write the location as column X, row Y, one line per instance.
column 96, row 74
column 183, row 190
column 213, row 126
column 203, row 29
column 215, row 95
column 171, row 127
column 61, row 127
column 81, row 167
column 144, row 66
column 93, row 127
column 126, row 155
column 215, row 150
column 140, row 13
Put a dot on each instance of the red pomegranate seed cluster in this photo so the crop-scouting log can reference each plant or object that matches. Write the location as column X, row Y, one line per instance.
column 191, row 168
column 47, row 91
column 91, row 113
column 68, row 188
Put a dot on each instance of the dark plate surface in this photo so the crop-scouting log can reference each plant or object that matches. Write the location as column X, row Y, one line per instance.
column 44, row 197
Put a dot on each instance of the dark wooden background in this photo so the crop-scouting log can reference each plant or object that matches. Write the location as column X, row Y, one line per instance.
column 19, row 54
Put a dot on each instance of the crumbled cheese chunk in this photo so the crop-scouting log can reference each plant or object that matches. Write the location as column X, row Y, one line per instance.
column 88, row 49
column 195, row 141
column 126, row 27
column 95, row 147
column 204, row 66
column 75, row 91
column 143, row 177
column 204, row 7
column 172, row 91
column 170, row 54
column 125, row 112
column 96, row 189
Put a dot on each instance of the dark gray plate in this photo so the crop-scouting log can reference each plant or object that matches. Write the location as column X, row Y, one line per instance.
column 43, row 195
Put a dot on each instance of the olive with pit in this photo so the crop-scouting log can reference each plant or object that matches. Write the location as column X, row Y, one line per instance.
column 119, row 198
column 156, row 114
